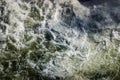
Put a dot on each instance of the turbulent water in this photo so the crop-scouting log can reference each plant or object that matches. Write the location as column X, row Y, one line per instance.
column 59, row 39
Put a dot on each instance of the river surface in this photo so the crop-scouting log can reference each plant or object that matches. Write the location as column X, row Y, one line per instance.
column 59, row 39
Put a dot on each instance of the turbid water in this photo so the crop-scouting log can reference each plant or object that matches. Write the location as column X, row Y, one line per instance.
column 59, row 40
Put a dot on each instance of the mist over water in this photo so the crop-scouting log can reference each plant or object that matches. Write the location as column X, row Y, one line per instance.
column 59, row 40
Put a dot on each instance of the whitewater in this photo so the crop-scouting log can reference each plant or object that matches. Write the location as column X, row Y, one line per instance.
column 59, row 40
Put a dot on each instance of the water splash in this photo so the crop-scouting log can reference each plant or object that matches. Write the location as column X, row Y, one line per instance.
column 58, row 39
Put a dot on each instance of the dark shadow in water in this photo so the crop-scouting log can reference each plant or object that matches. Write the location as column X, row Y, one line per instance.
column 90, row 3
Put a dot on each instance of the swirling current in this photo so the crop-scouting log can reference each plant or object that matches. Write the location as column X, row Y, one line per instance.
column 59, row 39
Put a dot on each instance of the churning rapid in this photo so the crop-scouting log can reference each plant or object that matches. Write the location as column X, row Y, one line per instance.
column 59, row 39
